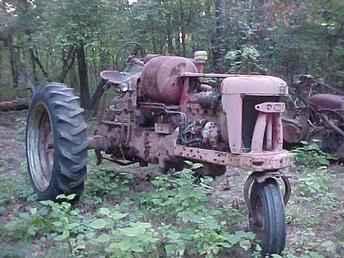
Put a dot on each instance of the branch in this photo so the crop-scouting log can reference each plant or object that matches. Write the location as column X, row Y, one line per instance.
column 97, row 95
column 38, row 62
column 67, row 64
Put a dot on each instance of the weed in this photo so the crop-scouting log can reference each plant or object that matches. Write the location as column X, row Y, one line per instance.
column 105, row 183
column 311, row 156
column 308, row 254
column 14, row 188
column 314, row 182
column 173, row 220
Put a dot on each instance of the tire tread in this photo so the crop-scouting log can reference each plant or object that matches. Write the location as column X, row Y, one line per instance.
column 70, row 139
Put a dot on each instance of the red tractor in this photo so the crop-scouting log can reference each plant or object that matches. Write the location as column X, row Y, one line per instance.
column 314, row 114
column 166, row 111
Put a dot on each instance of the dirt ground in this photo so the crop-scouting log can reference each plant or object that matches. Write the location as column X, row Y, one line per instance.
column 12, row 126
column 313, row 225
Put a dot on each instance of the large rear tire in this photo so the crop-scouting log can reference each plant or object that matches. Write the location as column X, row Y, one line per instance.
column 267, row 218
column 56, row 142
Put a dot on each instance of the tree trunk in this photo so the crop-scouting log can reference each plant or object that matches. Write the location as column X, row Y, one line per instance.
column 97, row 96
column 13, row 61
column 177, row 39
column 68, row 57
column 154, row 43
column 83, row 77
column 1, row 64
column 182, row 27
column 36, row 61
column 72, row 77
column 219, row 41
column 104, row 57
column 169, row 36
column 332, row 43
column 183, row 42
column 33, row 65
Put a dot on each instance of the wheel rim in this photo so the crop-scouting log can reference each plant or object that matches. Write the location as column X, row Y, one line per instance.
column 40, row 147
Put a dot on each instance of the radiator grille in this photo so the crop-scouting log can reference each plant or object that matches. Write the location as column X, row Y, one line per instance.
column 249, row 117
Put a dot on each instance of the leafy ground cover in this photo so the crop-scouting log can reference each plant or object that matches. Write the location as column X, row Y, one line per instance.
column 139, row 212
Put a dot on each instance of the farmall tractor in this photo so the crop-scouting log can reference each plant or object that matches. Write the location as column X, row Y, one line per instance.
column 166, row 111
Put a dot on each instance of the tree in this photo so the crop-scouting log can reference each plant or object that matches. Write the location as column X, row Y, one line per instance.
column 72, row 40
column 219, row 41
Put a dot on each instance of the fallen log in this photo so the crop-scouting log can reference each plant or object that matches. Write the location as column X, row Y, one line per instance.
column 14, row 105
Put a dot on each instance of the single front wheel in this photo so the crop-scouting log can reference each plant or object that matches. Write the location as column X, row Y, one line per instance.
column 267, row 218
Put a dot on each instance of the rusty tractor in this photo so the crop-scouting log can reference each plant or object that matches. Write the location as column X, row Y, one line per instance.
column 166, row 110
column 313, row 115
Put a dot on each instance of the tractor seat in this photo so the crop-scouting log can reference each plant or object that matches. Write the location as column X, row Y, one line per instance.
column 327, row 101
column 114, row 77
column 119, row 79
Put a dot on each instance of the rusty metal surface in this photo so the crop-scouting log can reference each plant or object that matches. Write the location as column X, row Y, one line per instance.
column 159, row 78
column 329, row 101
column 41, row 147
column 170, row 113
column 313, row 115
column 271, row 107
column 250, row 161
column 163, row 128
column 171, row 107
column 259, row 85
column 46, row 146
column 213, row 75
column 294, row 131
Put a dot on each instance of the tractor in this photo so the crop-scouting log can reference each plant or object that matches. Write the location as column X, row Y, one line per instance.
column 315, row 113
column 165, row 110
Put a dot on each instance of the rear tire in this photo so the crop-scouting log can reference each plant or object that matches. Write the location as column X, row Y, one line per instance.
column 267, row 218
column 56, row 142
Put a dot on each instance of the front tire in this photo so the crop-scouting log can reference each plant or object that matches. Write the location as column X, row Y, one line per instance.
column 56, row 142
column 267, row 216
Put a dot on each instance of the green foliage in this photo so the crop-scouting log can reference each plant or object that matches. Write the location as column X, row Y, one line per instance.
column 175, row 219
column 137, row 238
column 15, row 188
column 280, row 36
column 210, row 243
column 174, row 196
column 184, row 205
column 314, row 182
column 313, row 201
column 105, row 182
column 310, row 155
column 314, row 176
column 245, row 60
column 306, row 255
column 102, row 231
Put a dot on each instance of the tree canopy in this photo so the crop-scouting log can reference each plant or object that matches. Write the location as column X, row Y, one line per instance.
column 72, row 40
